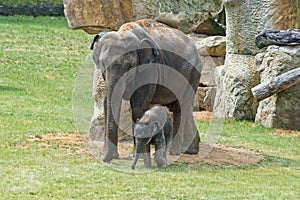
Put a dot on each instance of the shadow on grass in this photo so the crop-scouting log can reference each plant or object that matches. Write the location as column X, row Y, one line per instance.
column 267, row 161
column 9, row 89
column 123, row 165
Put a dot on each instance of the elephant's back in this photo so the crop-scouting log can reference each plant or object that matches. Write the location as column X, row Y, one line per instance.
column 167, row 38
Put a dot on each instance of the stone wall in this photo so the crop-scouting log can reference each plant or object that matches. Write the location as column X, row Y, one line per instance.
column 32, row 10
column 245, row 19
column 212, row 50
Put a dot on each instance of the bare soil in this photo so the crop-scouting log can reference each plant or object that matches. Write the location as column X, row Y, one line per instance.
column 287, row 133
column 204, row 116
column 215, row 154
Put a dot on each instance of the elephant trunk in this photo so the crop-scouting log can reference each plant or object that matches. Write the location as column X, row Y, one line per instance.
column 138, row 151
column 136, row 157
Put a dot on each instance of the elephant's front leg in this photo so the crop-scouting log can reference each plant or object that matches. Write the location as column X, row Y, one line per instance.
column 147, row 158
column 159, row 158
column 111, row 131
column 138, row 107
column 160, row 149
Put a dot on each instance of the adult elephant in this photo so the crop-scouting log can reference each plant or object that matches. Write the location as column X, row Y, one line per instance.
column 148, row 63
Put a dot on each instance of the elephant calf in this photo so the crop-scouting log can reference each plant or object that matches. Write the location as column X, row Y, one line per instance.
column 155, row 127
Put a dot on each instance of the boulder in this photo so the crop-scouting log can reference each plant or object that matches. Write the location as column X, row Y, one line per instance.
column 205, row 98
column 212, row 46
column 212, row 51
column 208, row 69
column 234, row 81
column 281, row 109
column 94, row 16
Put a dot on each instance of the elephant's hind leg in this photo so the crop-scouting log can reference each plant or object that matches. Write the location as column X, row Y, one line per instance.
column 175, row 146
column 191, row 138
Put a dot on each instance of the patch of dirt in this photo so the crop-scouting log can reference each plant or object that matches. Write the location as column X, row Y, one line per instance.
column 215, row 154
column 287, row 133
column 204, row 116
column 67, row 141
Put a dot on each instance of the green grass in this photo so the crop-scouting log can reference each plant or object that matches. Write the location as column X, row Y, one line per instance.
column 39, row 61
column 31, row 2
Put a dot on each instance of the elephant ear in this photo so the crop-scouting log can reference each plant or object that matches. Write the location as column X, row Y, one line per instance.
column 96, row 38
column 156, row 128
column 149, row 51
column 149, row 48
column 147, row 130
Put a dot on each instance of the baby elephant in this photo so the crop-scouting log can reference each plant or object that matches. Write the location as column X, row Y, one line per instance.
column 155, row 127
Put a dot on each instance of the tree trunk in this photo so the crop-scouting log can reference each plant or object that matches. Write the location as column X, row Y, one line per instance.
column 276, row 84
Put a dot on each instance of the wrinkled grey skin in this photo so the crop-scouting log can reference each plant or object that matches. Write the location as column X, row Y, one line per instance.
column 149, row 42
column 155, row 127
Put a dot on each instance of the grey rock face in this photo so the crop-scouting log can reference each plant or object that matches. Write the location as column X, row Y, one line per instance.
column 208, row 69
column 234, row 82
column 245, row 19
column 281, row 109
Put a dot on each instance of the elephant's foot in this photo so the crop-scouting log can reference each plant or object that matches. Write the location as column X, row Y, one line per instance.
column 161, row 162
column 108, row 156
column 193, row 148
column 147, row 160
column 159, row 158
column 175, row 147
column 175, row 150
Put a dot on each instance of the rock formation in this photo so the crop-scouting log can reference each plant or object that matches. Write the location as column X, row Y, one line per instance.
column 244, row 19
column 212, row 52
column 94, row 16
column 281, row 109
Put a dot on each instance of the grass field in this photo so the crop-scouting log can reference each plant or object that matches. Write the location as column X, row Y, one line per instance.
column 40, row 58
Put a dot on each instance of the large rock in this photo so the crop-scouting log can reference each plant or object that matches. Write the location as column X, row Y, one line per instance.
column 208, row 69
column 212, row 50
column 212, row 46
column 234, row 82
column 211, row 27
column 281, row 109
column 94, row 16
column 205, row 97
column 183, row 15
